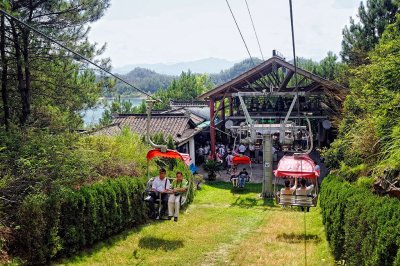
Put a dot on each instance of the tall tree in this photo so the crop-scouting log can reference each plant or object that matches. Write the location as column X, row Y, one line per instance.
column 361, row 37
column 41, row 77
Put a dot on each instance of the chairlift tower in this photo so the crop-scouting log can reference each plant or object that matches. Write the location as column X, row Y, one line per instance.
column 266, row 131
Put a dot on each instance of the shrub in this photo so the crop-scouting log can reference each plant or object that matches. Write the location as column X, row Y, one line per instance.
column 361, row 228
column 67, row 220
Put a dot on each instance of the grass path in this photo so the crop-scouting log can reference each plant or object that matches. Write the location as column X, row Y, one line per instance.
column 221, row 227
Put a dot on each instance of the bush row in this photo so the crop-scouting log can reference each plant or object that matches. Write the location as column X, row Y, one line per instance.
column 361, row 228
column 67, row 220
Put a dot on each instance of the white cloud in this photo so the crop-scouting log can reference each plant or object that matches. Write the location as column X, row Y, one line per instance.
column 150, row 31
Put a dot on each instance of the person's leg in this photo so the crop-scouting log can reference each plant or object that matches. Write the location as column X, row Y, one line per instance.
column 177, row 205
column 151, row 206
column 164, row 203
column 171, row 201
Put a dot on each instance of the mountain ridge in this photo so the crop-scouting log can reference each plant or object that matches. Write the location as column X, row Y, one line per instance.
column 206, row 65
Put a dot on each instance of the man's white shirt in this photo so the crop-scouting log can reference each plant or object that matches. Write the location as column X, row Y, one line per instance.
column 159, row 185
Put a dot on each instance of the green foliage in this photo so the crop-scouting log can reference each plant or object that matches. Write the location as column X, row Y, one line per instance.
column 144, row 79
column 212, row 167
column 46, row 87
column 68, row 220
column 361, row 228
column 368, row 133
column 121, row 107
column 187, row 87
column 352, row 173
column 360, row 38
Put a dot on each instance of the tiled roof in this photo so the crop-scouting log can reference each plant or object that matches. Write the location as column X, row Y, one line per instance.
column 179, row 126
column 188, row 103
column 183, row 110
column 111, row 130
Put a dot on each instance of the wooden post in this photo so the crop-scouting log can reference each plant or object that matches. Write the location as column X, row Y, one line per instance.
column 231, row 106
column 222, row 109
column 212, row 128
column 319, row 134
column 223, row 119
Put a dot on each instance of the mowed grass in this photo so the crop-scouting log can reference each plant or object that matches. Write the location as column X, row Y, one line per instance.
column 221, row 227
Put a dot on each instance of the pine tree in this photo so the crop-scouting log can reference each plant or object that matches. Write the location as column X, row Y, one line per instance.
column 361, row 37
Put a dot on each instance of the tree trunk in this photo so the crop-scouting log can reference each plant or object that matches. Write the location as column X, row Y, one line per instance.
column 20, row 76
column 28, row 93
column 4, row 92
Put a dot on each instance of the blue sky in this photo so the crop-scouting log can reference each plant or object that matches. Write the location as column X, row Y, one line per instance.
column 169, row 31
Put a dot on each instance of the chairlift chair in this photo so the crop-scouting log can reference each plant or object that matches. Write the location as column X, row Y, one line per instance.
column 297, row 166
column 172, row 154
column 242, row 160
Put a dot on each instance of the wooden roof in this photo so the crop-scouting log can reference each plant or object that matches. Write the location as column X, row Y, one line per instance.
column 265, row 76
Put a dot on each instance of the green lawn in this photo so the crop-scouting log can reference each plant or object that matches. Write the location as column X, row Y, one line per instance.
column 221, row 227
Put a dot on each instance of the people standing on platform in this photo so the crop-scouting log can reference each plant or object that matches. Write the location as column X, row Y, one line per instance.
column 252, row 149
column 242, row 149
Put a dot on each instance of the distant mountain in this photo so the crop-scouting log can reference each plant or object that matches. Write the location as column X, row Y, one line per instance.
column 233, row 72
column 151, row 81
column 208, row 65
column 144, row 79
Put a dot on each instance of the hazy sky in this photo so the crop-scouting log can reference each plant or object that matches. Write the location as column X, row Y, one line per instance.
column 168, row 31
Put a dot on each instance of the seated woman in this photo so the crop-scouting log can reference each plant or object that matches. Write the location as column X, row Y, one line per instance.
column 287, row 190
column 304, row 191
column 243, row 176
column 179, row 185
column 234, row 177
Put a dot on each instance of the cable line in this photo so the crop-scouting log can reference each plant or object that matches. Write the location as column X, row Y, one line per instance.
column 254, row 28
column 241, row 35
column 76, row 54
column 294, row 58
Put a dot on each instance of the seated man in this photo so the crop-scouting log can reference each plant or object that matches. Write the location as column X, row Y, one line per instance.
column 243, row 176
column 179, row 185
column 160, row 185
column 304, row 191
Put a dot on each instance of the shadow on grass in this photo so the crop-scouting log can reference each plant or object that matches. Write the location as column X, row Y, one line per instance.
column 298, row 238
column 155, row 243
column 245, row 202
column 250, row 187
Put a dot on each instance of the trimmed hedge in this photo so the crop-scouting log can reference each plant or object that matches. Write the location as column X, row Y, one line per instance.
column 361, row 228
column 67, row 221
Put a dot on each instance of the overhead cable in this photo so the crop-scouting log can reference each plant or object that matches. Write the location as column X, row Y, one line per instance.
column 294, row 57
column 240, row 32
column 75, row 53
column 254, row 28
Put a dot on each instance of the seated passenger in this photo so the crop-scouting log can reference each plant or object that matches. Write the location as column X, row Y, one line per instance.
column 287, row 190
column 304, row 191
column 243, row 176
column 234, row 177
column 160, row 187
column 179, row 185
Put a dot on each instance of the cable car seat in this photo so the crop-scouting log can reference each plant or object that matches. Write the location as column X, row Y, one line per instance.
column 157, row 203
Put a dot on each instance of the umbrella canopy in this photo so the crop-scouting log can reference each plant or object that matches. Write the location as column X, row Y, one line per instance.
column 168, row 154
column 296, row 166
column 241, row 160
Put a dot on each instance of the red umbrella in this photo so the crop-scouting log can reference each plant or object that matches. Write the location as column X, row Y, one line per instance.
column 168, row 154
column 241, row 160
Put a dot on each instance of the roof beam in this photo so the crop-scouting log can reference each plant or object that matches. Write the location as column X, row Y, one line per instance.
column 286, row 80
